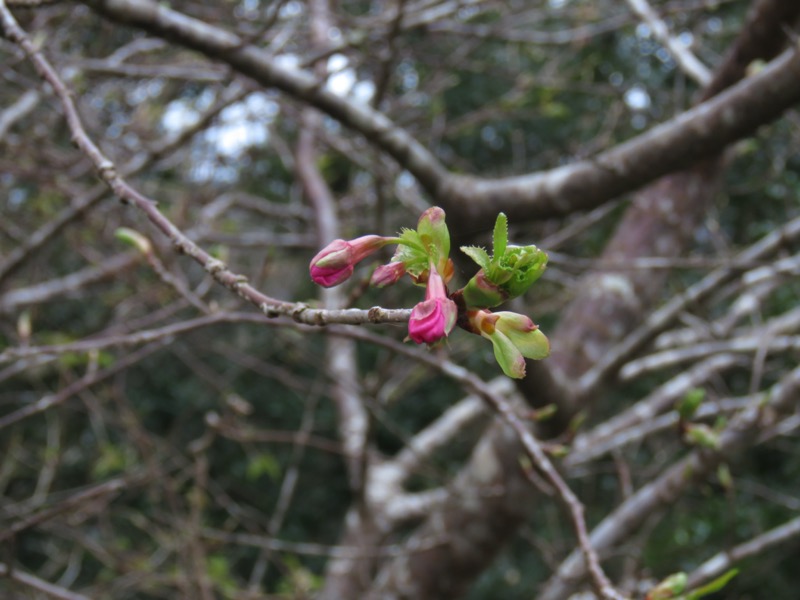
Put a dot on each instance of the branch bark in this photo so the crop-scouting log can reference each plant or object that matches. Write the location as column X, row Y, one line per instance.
column 742, row 433
column 660, row 223
column 699, row 133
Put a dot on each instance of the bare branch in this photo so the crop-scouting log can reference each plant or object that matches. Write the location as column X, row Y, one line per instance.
column 605, row 436
column 741, row 433
column 22, row 107
column 664, row 316
column 742, row 345
column 259, row 64
column 440, row 432
column 719, row 563
column 33, row 582
column 144, row 336
column 69, row 285
column 698, row 133
column 532, row 447
column 84, row 203
column 687, row 61
column 216, row 268
column 261, row 541
column 78, row 499
column 67, row 392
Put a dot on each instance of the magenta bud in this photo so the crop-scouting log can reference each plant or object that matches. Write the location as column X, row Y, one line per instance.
column 434, row 318
column 334, row 263
column 387, row 275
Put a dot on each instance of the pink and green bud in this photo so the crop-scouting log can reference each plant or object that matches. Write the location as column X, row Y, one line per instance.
column 434, row 318
column 435, row 237
column 482, row 293
column 387, row 275
column 514, row 338
column 672, row 587
column 524, row 334
column 427, row 245
column 335, row 262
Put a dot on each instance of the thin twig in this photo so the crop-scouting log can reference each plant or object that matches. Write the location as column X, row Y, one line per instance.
column 144, row 336
column 77, row 500
column 662, row 318
column 530, row 444
column 719, row 563
column 64, row 394
column 107, row 171
column 741, row 433
column 31, row 581
column 599, row 440
column 687, row 61
column 741, row 345
column 306, row 548
column 24, row 105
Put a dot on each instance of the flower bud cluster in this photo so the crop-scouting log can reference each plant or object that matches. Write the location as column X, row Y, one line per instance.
column 424, row 255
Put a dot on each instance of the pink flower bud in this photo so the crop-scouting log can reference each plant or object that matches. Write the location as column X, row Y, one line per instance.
column 434, row 318
column 386, row 275
column 334, row 263
column 431, row 320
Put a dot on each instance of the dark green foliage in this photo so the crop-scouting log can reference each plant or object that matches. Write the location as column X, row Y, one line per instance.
column 206, row 428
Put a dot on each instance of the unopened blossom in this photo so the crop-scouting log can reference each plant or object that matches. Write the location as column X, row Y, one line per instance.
column 514, row 338
column 335, row 262
column 435, row 238
column 434, row 318
column 386, row 275
column 428, row 244
column 423, row 255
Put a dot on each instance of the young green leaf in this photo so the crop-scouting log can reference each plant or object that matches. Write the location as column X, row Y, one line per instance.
column 479, row 255
column 500, row 237
column 713, row 586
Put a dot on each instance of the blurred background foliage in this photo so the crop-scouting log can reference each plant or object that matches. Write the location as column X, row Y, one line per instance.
column 206, row 427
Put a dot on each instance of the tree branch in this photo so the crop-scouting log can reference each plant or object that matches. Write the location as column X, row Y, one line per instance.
column 659, row 320
column 698, row 133
column 602, row 438
column 257, row 63
column 398, row 577
column 144, row 336
column 40, row 585
column 687, row 61
column 741, row 433
column 216, row 268
column 340, row 354
column 24, row 105
column 719, row 563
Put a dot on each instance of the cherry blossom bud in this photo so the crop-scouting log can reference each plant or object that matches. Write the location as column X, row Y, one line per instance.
column 435, row 238
column 514, row 338
column 524, row 334
column 672, row 587
column 434, row 318
column 386, row 275
column 334, row 263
